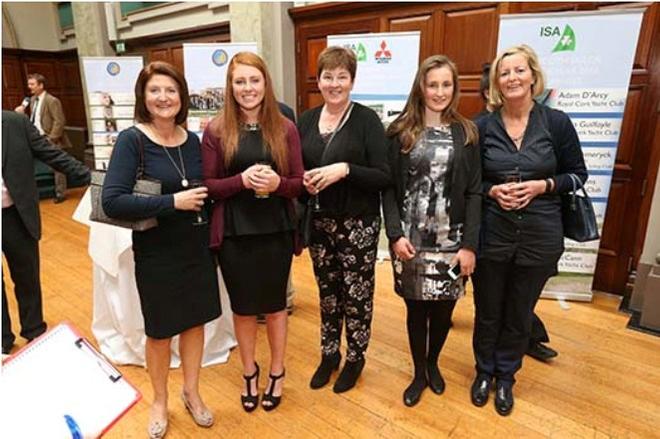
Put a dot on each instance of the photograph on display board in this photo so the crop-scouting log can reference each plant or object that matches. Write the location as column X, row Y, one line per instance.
column 204, row 105
column 205, row 67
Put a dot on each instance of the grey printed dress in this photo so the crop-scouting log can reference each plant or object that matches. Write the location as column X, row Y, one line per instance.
column 426, row 221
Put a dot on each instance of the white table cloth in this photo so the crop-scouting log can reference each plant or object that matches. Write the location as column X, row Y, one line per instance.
column 117, row 321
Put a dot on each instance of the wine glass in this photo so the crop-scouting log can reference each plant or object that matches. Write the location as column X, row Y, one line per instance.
column 200, row 217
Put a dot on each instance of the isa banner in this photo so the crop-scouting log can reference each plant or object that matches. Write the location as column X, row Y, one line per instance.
column 110, row 85
column 588, row 71
column 386, row 67
column 205, row 67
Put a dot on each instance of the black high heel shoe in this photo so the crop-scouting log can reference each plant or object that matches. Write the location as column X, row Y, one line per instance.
column 248, row 399
column 268, row 394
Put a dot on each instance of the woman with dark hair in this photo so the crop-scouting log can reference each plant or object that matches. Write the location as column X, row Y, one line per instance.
column 528, row 152
column 432, row 213
column 346, row 161
column 253, row 169
column 174, row 269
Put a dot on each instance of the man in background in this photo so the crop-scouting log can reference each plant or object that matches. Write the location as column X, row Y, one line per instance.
column 47, row 115
column 21, row 224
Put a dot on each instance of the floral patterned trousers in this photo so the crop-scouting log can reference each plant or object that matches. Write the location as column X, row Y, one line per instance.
column 343, row 251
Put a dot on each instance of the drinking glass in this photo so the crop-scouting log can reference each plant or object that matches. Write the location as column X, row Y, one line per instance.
column 200, row 217
column 259, row 194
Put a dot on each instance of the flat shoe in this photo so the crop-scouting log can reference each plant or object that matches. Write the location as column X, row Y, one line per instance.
column 203, row 418
column 157, row 429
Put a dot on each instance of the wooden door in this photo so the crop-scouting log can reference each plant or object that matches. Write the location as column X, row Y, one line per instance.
column 627, row 216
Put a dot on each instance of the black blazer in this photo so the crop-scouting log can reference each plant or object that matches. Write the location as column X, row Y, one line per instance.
column 465, row 191
column 21, row 144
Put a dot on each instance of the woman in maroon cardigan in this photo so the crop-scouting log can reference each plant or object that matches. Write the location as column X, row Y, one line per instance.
column 252, row 166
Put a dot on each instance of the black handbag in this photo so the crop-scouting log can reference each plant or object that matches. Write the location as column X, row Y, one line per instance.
column 304, row 221
column 577, row 214
column 144, row 187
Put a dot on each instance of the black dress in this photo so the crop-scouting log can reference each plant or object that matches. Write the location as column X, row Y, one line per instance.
column 255, row 256
column 174, row 268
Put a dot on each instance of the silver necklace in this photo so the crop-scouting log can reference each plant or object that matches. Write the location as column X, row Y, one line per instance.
column 182, row 171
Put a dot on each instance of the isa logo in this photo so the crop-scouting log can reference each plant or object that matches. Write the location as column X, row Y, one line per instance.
column 220, row 57
column 359, row 50
column 383, row 56
column 113, row 68
column 567, row 41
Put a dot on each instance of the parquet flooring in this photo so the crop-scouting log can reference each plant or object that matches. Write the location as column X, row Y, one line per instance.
column 605, row 382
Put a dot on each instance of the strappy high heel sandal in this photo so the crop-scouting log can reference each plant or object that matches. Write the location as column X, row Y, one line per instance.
column 268, row 394
column 248, row 399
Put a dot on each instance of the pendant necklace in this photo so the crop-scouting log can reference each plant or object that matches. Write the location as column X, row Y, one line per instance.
column 182, row 171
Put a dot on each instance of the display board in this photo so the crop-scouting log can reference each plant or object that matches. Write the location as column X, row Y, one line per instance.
column 205, row 66
column 110, row 84
column 386, row 67
column 587, row 72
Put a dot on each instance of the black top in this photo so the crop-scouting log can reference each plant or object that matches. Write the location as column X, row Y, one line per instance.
column 464, row 195
column 550, row 149
column 246, row 214
column 287, row 111
column 118, row 199
column 360, row 143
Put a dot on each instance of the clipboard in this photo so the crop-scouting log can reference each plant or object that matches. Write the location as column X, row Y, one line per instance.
column 59, row 386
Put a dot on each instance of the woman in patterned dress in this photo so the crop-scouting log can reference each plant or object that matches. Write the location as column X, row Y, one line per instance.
column 432, row 213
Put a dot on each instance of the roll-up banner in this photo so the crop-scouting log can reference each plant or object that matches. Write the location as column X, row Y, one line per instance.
column 587, row 58
column 110, row 83
column 205, row 68
column 386, row 67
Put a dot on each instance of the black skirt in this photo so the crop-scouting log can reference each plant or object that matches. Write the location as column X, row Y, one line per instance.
column 256, row 271
column 176, row 276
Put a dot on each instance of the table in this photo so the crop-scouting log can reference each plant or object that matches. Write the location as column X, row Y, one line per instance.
column 117, row 322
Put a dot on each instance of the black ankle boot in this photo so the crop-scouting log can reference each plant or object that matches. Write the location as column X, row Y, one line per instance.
column 436, row 382
column 328, row 364
column 413, row 392
column 348, row 376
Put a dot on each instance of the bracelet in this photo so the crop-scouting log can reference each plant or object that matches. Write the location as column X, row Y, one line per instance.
column 548, row 185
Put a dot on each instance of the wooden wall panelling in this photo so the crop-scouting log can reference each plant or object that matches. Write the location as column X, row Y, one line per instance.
column 62, row 73
column 470, row 38
column 13, row 82
column 310, row 41
column 422, row 23
column 168, row 47
column 177, row 57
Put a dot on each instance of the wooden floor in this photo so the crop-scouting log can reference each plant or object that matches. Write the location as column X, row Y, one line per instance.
column 605, row 382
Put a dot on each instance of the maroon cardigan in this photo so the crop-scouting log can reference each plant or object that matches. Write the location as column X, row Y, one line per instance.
column 222, row 186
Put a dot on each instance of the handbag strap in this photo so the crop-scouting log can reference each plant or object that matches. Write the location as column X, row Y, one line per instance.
column 577, row 184
column 339, row 126
column 140, row 169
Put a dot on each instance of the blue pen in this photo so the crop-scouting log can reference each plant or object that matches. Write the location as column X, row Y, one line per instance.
column 73, row 427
